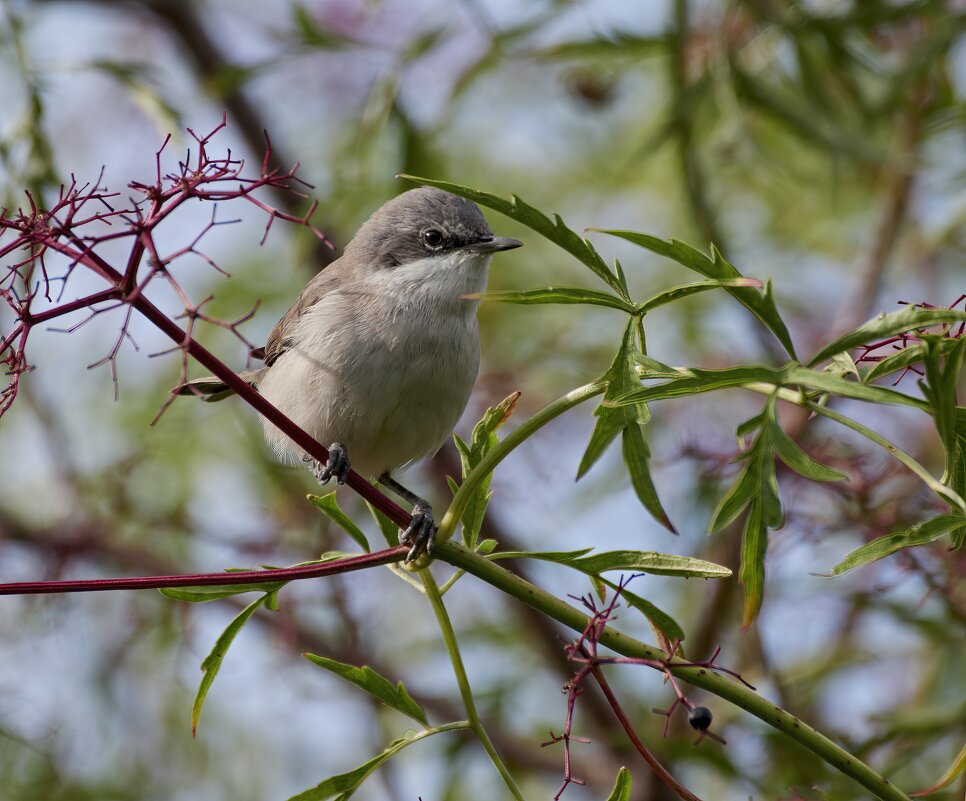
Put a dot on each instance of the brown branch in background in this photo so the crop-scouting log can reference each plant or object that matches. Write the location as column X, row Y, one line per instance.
column 695, row 181
column 899, row 186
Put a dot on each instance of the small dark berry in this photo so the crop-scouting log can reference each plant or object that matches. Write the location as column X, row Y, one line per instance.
column 700, row 718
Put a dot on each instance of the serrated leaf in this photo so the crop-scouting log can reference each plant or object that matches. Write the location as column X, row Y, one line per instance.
column 557, row 294
column 921, row 534
column 686, row 290
column 761, row 304
column 376, row 685
column 553, row 229
column 885, row 325
column 799, row 461
column 622, row 787
column 629, row 421
column 329, row 506
column 482, row 441
column 387, row 528
column 212, row 663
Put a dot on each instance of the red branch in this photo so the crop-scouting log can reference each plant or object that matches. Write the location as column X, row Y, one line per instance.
column 314, row 570
column 80, row 222
column 583, row 652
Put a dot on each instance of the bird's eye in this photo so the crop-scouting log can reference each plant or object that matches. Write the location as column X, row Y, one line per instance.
column 432, row 238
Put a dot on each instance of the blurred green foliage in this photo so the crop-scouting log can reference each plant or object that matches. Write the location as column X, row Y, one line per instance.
column 817, row 146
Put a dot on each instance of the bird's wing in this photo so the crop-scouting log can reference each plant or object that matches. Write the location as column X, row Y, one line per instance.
column 321, row 284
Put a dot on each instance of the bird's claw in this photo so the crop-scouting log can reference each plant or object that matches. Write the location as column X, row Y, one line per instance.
column 421, row 533
column 336, row 466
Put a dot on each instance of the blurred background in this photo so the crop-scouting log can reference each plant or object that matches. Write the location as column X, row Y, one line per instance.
column 817, row 144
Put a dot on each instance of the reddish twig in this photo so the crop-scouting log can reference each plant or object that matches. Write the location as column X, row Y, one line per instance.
column 583, row 651
column 84, row 218
column 908, row 339
column 285, row 574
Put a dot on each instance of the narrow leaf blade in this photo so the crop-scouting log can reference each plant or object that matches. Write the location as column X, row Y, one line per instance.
column 212, row 663
column 881, row 547
column 379, row 687
column 329, row 506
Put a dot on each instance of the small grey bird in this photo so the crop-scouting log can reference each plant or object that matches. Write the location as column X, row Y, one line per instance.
column 380, row 351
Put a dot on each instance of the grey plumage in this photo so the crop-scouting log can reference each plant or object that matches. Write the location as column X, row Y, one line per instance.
column 380, row 350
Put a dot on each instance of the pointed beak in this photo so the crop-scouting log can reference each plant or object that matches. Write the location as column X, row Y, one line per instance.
column 494, row 244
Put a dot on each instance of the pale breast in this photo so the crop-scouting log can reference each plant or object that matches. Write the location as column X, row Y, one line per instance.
column 386, row 373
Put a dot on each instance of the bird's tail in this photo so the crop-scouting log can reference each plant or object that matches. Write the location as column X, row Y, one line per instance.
column 211, row 389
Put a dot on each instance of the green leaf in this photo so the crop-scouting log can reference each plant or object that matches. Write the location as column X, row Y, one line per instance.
column 885, row 325
column 907, row 357
column 694, row 381
column 921, row 534
column 389, row 530
column 940, row 389
column 761, row 304
column 212, row 663
column 558, row 294
column 622, row 787
column 377, row 686
column 686, row 290
column 329, row 506
column 345, row 784
column 481, row 442
column 553, row 229
column 659, row 564
column 637, row 456
column 799, row 461
column 947, row 494
column 197, row 595
column 734, row 501
column 751, row 574
column 665, row 626
column 825, row 381
column 629, row 421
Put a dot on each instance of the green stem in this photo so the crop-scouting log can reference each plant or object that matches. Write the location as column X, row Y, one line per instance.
column 487, row 464
column 449, row 638
column 705, row 678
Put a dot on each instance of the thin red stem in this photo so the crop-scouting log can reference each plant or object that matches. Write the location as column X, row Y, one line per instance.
column 346, row 565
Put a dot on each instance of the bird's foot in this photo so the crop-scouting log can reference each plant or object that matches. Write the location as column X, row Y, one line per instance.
column 421, row 533
column 336, row 466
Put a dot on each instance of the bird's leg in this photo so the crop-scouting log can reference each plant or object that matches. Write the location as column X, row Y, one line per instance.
column 421, row 534
column 337, row 465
